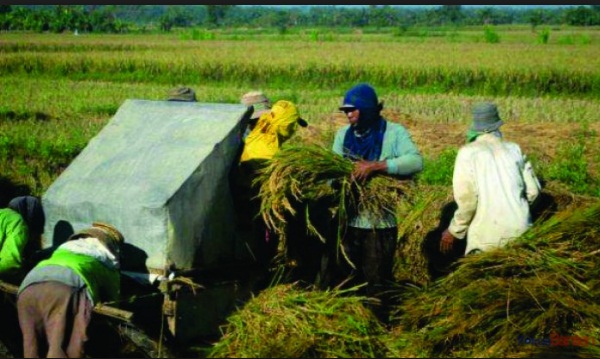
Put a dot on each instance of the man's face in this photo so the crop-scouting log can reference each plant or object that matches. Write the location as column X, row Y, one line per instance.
column 352, row 114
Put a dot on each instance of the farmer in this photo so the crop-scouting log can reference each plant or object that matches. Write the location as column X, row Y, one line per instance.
column 182, row 94
column 493, row 184
column 56, row 298
column 376, row 146
column 21, row 227
column 273, row 127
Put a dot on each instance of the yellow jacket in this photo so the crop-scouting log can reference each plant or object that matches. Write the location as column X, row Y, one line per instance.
column 271, row 130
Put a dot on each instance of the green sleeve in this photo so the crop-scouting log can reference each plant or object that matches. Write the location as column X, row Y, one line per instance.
column 402, row 156
column 338, row 142
column 13, row 239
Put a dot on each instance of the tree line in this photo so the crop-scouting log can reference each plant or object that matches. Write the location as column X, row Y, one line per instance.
column 126, row 18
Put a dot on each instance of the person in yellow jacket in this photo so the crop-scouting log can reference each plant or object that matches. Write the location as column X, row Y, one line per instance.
column 273, row 128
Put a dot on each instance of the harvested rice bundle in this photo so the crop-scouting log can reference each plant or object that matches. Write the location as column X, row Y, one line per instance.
column 543, row 283
column 422, row 216
column 555, row 197
column 308, row 173
column 302, row 173
column 288, row 322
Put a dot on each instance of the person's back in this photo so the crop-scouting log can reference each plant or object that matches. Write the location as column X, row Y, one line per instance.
column 497, row 166
column 79, row 274
column 493, row 184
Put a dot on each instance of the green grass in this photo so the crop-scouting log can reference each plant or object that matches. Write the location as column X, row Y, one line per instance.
column 571, row 166
column 438, row 170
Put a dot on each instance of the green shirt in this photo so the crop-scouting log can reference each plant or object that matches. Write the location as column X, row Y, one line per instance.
column 103, row 283
column 13, row 238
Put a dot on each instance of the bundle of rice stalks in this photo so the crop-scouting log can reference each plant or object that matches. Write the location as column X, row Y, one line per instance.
column 301, row 173
column 308, row 173
column 555, row 197
column 422, row 216
column 287, row 322
column 542, row 285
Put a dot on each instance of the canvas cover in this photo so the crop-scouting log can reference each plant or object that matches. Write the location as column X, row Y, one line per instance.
column 159, row 172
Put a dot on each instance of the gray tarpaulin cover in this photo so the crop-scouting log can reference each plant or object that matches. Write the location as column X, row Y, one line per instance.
column 158, row 171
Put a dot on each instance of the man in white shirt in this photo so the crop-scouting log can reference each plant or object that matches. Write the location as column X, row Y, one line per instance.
column 494, row 184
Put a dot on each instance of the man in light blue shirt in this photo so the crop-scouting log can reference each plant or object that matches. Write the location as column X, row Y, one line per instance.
column 376, row 146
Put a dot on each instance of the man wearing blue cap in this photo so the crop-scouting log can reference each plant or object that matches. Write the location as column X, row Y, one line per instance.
column 376, row 146
column 494, row 185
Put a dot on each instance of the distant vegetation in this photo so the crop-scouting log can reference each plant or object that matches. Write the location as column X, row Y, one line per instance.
column 133, row 18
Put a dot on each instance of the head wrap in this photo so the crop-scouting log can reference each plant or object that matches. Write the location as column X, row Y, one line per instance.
column 364, row 98
column 107, row 234
column 364, row 140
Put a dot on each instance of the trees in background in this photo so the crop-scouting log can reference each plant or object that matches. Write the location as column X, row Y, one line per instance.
column 60, row 18
column 122, row 18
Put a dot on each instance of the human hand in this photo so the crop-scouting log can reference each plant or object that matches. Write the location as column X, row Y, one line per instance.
column 363, row 169
column 447, row 241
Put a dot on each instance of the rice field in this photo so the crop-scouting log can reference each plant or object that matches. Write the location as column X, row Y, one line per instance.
column 494, row 69
column 58, row 91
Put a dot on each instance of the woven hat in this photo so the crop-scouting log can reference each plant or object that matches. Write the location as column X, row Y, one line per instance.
column 184, row 94
column 258, row 101
column 485, row 117
column 107, row 234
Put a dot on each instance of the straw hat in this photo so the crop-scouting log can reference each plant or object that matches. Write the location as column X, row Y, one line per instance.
column 106, row 233
column 258, row 100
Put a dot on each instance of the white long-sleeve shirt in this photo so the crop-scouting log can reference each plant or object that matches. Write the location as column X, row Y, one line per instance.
column 493, row 184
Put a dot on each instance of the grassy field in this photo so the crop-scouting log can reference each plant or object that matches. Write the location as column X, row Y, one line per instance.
column 58, row 91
